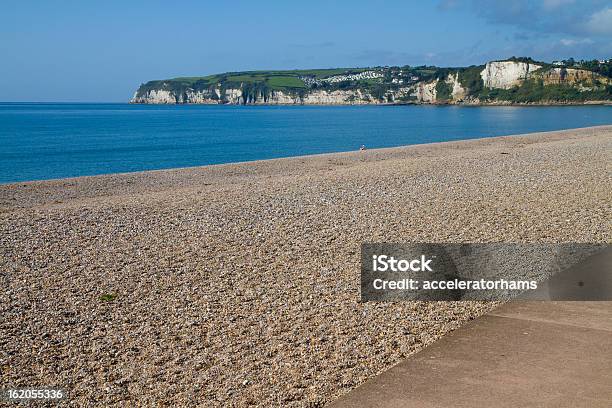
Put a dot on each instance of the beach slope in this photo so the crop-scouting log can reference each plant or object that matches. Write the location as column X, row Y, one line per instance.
column 239, row 283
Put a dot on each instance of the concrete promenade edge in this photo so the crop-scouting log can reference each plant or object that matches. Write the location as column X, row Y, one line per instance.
column 523, row 354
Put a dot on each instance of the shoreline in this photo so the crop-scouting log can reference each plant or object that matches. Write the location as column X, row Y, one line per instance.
column 463, row 104
column 500, row 103
column 301, row 157
column 239, row 283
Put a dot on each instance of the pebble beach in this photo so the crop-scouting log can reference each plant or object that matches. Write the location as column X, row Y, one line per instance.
column 238, row 284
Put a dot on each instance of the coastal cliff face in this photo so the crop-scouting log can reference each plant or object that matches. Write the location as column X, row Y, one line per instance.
column 234, row 96
column 426, row 92
column 506, row 74
column 458, row 93
column 571, row 76
column 156, row 96
column 496, row 82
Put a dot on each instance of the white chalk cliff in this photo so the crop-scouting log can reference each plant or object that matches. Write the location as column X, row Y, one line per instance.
column 506, row 74
column 234, row 96
column 458, row 91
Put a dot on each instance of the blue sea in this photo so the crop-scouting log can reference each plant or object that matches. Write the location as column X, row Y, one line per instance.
column 45, row 141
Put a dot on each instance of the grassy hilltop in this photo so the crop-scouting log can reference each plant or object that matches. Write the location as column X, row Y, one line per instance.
column 272, row 80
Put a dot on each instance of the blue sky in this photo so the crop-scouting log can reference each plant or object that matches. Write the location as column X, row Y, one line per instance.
column 102, row 50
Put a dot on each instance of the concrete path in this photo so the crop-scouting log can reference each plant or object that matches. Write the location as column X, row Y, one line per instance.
column 524, row 354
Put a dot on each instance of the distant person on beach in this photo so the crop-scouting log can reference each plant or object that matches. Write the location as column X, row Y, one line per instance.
column 362, row 147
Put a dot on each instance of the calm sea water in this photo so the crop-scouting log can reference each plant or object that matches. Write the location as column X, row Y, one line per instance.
column 44, row 141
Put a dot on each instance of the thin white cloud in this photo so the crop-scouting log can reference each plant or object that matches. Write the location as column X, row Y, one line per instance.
column 553, row 4
column 601, row 22
column 570, row 42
